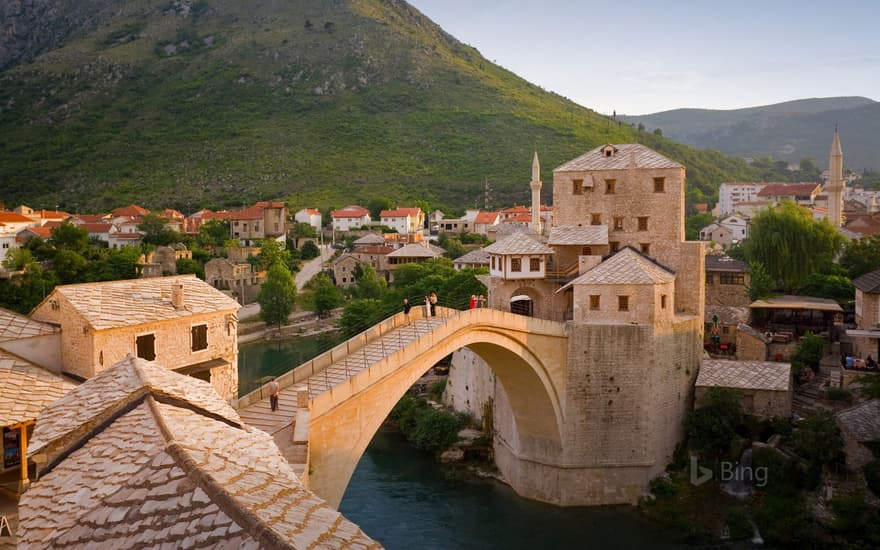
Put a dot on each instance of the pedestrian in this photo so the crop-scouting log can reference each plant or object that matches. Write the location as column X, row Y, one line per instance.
column 427, row 305
column 473, row 302
column 406, row 308
column 482, row 300
column 274, row 388
column 433, row 302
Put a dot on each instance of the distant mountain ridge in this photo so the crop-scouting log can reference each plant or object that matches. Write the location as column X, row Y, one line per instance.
column 189, row 103
column 789, row 131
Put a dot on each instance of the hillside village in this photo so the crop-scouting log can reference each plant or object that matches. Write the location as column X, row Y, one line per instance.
column 601, row 258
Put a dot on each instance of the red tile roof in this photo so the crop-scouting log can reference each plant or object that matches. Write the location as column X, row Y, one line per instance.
column 350, row 212
column 40, row 231
column 515, row 210
column 373, row 249
column 400, row 212
column 486, row 217
column 91, row 218
column 12, row 217
column 97, row 227
column 788, row 189
column 51, row 214
column 131, row 210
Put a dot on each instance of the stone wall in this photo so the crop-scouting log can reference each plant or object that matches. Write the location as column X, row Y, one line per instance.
column 718, row 294
column 761, row 403
column 750, row 347
column 644, row 303
column 471, row 384
column 546, row 303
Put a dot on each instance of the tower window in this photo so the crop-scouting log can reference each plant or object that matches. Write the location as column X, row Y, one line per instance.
column 618, row 223
column 659, row 184
column 623, row 303
column 516, row 264
column 199, row 340
column 615, row 245
column 146, row 346
column 610, row 186
column 645, row 248
column 595, row 219
column 643, row 223
column 662, row 301
column 534, row 264
column 577, row 187
column 594, row 302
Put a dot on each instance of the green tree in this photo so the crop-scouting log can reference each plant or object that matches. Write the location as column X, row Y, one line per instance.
column 694, row 223
column 818, row 438
column 454, row 248
column 19, row 259
column 185, row 266
column 711, row 427
column 214, row 233
column 808, row 353
column 273, row 252
column 69, row 266
column 300, row 230
column 833, row 287
column 156, row 231
column 370, row 285
column 377, row 205
column 69, row 237
column 277, row 296
column 309, row 250
column 761, row 284
column 322, row 295
column 360, row 315
column 791, row 245
column 861, row 256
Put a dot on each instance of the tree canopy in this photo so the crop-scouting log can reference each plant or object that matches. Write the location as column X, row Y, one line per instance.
column 277, row 296
column 791, row 245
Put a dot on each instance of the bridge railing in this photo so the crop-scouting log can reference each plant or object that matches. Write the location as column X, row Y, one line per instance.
column 345, row 349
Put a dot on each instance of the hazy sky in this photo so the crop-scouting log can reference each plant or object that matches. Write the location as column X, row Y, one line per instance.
column 639, row 57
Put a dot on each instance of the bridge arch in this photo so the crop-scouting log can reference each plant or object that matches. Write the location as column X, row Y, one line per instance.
column 527, row 361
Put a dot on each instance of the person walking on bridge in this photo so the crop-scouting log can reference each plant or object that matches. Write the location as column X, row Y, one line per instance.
column 406, row 308
column 274, row 389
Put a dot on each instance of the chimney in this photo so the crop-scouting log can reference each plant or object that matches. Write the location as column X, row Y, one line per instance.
column 177, row 295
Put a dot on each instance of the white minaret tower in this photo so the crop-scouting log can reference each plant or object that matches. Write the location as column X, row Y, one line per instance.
column 835, row 185
column 536, row 195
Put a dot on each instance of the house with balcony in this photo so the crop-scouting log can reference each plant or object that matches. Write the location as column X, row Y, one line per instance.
column 349, row 218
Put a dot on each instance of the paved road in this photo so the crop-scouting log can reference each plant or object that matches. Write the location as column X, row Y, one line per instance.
column 304, row 275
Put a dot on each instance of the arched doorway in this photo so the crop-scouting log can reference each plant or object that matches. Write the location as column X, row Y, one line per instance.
column 522, row 305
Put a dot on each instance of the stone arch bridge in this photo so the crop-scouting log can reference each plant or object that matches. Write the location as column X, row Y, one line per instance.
column 332, row 406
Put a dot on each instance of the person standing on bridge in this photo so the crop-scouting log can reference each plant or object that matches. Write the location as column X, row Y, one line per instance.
column 406, row 308
column 433, row 303
column 274, row 389
column 473, row 302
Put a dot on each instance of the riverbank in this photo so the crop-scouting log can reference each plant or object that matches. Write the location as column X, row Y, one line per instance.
column 300, row 324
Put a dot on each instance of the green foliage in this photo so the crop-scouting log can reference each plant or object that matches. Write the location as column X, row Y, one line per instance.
column 838, row 394
column 321, row 295
column 427, row 428
column 808, row 352
column 185, row 266
column 861, row 256
column 872, row 476
column 277, row 296
column 818, row 439
column 786, row 521
column 783, row 477
column 834, row 287
column 663, row 487
column 69, row 237
column 214, row 233
column 69, row 266
column 156, row 231
column 454, row 248
column 360, row 315
column 761, row 284
column 300, row 230
column 19, row 258
column 851, row 514
column 435, row 392
column 711, row 427
column 869, row 386
column 694, row 223
column 309, row 250
column 271, row 253
column 369, row 284
column 791, row 245
column 377, row 204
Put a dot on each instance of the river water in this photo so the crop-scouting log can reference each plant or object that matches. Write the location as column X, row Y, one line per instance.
column 404, row 499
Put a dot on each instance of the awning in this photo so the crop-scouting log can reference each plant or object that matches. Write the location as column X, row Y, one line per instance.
column 203, row 366
column 863, row 333
column 797, row 302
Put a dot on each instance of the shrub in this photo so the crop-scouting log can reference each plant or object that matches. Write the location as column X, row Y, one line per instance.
column 838, row 394
column 818, row 439
column 872, row 476
column 785, row 521
column 851, row 513
column 436, row 429
column 712, row 426
column 808, row 352
column 663, row 486
column 783, row 477
column 435, row 392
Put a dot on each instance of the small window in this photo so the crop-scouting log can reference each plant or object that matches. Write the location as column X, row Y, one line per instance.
column 659, row 184
column 618, row 223
column 534, row 264
column 577, row 187
column 610, row 186
column 732, row 279
column 595, row 219
column 493, row 261
column 725, row 330
column 645, row 248
column 256, row 227
column 643, row 223
column 594, row 302
column 199, row 337
column 615, row 246
column 662, row 301
column 586, row 251
column 623, row 303
column 146, row 346
column 709, row 278
column 516, row 264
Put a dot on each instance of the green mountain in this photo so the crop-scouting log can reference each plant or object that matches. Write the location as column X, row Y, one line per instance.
column 191, row 103
column 787, row 131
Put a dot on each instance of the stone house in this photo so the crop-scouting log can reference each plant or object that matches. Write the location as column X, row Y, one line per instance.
column 181, row 323
column 344, row 268
column 727, row 281
column 373, row 255
column 803, row 194
column 263, row 220
column 413, row 253
column 866, row 335
column 860, row 426
column 764, row 388
column 237, row 278
column 484, row 221
column 474, row 259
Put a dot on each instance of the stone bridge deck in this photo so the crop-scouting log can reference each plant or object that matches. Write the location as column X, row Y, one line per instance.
column 254, row 408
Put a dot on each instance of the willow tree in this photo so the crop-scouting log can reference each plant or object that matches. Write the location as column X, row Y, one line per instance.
column 791, row 245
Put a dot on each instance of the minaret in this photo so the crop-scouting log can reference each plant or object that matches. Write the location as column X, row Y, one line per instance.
column 536, row 195
column 835, row 185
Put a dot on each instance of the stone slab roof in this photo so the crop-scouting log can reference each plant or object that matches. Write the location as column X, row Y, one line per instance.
column 417, row 250
column 627, row 267
column 579, row 235
column 15, row 327
column 727, row 315
column 474, row 257
column 370, row 238
column 518, row 243
column 715, row 262
column 862, row 421
column 869, row 282
column 129, row 302
column 161, row 471
column 26, row 389
column 746, row 375
column 595, row 159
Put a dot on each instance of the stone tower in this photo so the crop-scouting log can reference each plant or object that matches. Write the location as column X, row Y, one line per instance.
column 535, row 225
column 835, row 185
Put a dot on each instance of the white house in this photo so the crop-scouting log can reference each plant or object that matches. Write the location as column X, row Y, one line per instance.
column 738, row 226
column 310, row 216
column 732, row 193
column 518, row 256
column 350, row 217
column 404, row 220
